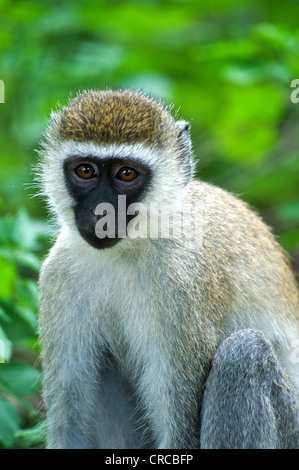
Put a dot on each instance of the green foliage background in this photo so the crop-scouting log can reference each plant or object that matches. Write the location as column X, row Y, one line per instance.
column 226, row 65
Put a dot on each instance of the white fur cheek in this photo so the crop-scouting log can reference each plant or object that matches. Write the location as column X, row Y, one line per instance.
column 54, row 188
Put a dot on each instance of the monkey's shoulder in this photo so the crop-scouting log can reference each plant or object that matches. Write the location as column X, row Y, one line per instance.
column 225, row 211
column 231, row 227
column 213, row 197
column 61, row 262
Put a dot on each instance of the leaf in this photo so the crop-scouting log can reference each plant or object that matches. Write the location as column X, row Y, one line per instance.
column 10, row 418
column 3, row 315
column 20, row 379
column 289, row 212
column 29, row 260
column 8, row 274
column 5, row 347
column 23, row 233
column 23, row 322
column 32, row 437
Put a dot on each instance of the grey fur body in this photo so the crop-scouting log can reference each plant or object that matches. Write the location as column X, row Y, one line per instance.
column 129, row 333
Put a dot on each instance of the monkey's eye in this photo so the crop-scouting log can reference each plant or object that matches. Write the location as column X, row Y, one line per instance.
column 126, row 174
column 86, row 171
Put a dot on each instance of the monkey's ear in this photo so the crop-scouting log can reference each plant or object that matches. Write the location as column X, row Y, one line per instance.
column 184, row 135
column 186, row 148
column 183, row 127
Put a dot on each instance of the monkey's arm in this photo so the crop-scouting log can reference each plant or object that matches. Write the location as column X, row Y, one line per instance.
column 88, row 405
column 69, row 386
column 70, row 383
column 248, row 403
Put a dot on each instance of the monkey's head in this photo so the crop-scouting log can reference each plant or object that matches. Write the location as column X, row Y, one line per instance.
column 107, row 144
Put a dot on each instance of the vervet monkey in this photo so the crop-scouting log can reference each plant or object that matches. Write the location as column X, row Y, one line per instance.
column 133, row 328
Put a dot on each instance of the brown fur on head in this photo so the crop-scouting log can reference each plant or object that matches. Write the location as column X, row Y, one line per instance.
column 107, row 117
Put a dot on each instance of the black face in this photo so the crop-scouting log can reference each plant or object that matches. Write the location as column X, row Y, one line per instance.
column 92, row 181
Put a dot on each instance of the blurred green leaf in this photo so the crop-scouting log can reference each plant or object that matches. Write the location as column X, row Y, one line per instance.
column 3, row 316
column 10, row 420
column 29, row 260
column 20, row 379
column 23, row 322
column 8, row 274
column 24, row 233
column 32, row 437
column 290, row 239
column 5, row 347
column 251, row 73
column 290, row 211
